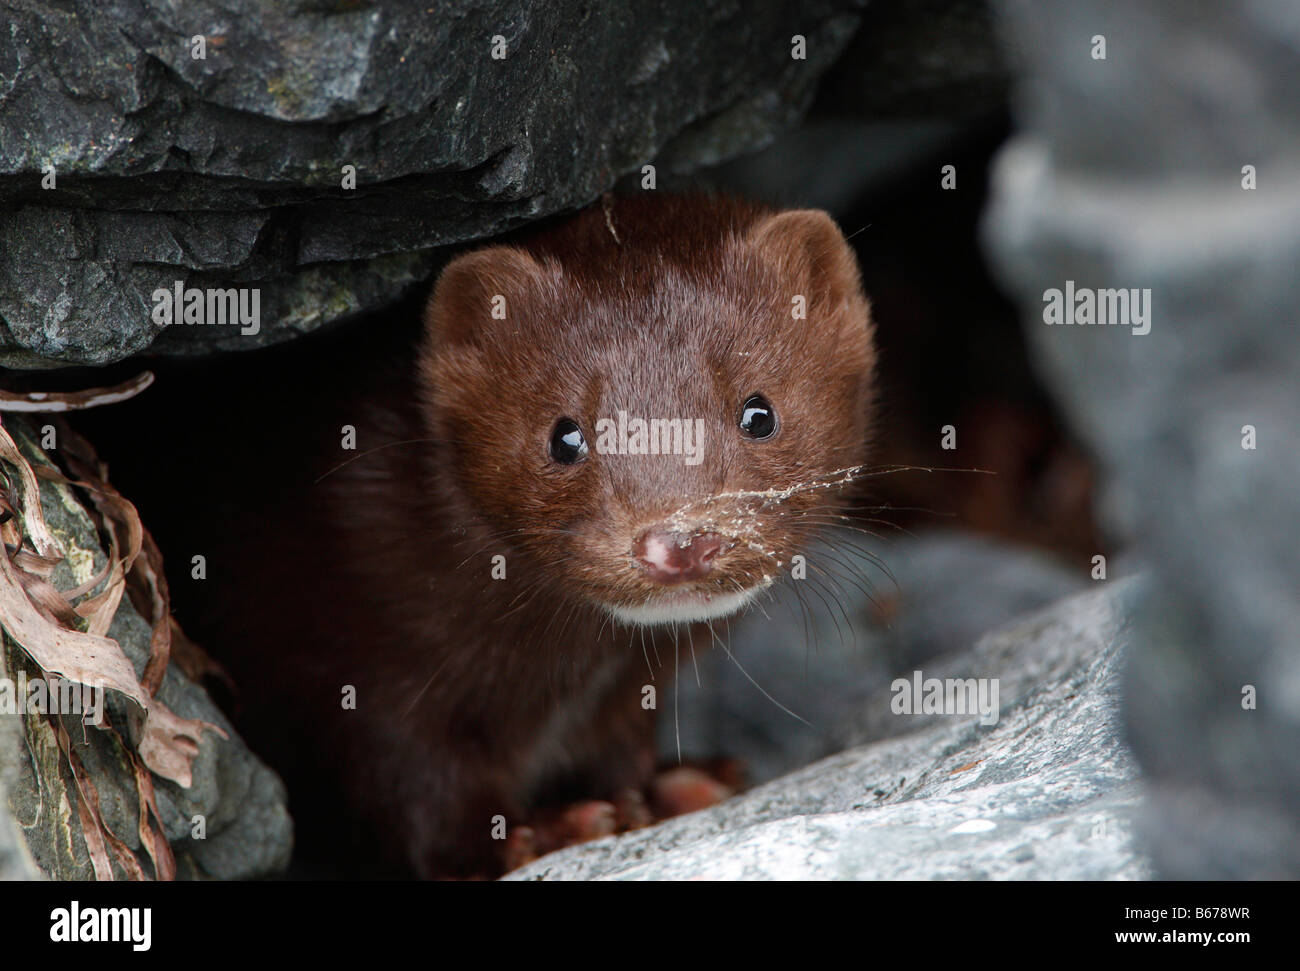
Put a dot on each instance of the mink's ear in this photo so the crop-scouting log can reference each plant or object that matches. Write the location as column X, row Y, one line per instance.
column 471, row 288
column 810, row 250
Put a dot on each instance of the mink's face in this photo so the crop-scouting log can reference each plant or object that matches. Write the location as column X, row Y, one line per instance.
column 660, row 435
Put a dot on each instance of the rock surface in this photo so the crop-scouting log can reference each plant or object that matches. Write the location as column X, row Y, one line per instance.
column 226, row 170
column 248, row 830
column 1113, row 190
column 1048, row 792
column 15, row 860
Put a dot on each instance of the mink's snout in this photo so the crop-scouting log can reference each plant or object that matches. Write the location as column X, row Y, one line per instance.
column 673, row 557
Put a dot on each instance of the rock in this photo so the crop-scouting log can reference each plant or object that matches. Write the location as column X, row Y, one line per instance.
column 1048, row 792
column 15, row 861
column 1112, row 190
column 226, row 170
column 248, row 830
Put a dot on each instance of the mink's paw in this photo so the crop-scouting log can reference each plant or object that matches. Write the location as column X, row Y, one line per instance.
column 520, row 848
column 686, row 789
column 672, row 792
column 555, row 828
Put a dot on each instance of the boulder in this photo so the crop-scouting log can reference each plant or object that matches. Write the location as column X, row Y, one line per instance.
column 1047, row 791
column 206, row 143
column 1191, row 193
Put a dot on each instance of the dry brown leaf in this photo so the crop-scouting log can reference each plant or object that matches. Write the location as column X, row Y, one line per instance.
column 90, row 797
column 87, row 658
column 48, row 599
column 170, row 743
column 152, row 838
column 92, row 827
column 100, row 609
column 149, row 579
column 53, row 401
column 28, row 498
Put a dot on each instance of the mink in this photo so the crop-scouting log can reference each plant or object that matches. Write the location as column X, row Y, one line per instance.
column 487, row 571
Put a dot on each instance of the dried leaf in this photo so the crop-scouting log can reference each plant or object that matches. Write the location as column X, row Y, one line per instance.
column 92, row 827
column 52, row 401
column 149, row 576
column 28, row 498
column 151, row 837
column 87, row 658
column 100, row 609
column 170, row 743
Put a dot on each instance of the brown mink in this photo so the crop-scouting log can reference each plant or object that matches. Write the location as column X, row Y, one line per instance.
column 486, row 568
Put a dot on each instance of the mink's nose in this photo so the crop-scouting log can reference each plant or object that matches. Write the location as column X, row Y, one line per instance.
column 675, row 557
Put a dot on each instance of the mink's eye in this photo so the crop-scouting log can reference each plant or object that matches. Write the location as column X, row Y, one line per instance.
column 757, row 419
column 568, row 446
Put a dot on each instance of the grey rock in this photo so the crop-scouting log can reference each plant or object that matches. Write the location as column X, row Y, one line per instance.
column 16, row 861
column 1048, row 792
column 1110, row 189
column 226, row 170
column 248, row 832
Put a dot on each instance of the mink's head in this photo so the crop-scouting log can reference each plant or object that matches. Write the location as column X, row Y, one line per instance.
column 654, row 404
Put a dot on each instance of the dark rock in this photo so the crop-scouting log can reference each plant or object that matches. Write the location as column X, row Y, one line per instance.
column 226, row 171
column 913, row 59
column 1129, row 173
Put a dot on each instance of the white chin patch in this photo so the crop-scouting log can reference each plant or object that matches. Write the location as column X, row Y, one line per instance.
column 683, row 608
